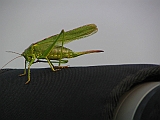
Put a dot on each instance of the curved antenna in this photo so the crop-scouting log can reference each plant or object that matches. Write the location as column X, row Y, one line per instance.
column 10, row 61
column 14, row 52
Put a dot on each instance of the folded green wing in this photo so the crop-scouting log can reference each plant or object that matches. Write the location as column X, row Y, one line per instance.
column 70, row 35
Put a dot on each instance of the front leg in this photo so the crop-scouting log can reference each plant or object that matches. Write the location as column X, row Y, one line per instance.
column 29, row 77
column 29, row 65
column 24, row 69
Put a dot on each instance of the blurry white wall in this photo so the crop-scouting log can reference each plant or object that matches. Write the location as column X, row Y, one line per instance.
column 129, row 31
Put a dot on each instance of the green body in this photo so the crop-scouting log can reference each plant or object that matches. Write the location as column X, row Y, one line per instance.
column 52, row 48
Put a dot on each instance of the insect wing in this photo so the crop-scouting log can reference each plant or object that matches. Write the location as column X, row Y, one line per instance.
column 70, row 35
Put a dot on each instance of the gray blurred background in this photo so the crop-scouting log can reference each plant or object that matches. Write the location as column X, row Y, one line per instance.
column 129, row 31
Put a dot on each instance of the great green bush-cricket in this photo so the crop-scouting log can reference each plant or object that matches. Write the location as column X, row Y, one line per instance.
column 52, row 48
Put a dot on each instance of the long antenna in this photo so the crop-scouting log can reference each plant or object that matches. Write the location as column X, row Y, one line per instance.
column 11, row 61
column 14, row 52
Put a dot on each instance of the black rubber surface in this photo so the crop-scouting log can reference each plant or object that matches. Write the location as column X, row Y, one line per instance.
column 74, row 93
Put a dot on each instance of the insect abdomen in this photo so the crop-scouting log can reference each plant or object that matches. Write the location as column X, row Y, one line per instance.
column 61, row 52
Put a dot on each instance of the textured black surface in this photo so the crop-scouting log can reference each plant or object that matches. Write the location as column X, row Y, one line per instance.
column 80, row 93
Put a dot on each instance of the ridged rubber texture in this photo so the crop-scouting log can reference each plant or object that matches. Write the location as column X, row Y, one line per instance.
column 79, row 93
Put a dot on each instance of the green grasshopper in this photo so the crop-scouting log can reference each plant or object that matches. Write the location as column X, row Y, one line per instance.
column 52, row 48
